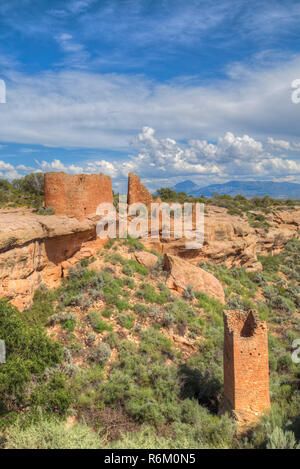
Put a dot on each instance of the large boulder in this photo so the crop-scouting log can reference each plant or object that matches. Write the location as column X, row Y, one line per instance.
column 147, row 259
column 182, row 274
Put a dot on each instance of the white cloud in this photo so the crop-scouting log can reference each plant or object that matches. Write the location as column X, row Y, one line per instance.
column 57, row 165
column 79, row 109
column 283, row 145
column 67, row 43
column 163, row 161
column 8, row 171
column 279, row 144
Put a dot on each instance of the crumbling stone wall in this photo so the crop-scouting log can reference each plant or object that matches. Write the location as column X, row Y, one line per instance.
column 137, row 192
column 246, row 366
column 76, row 195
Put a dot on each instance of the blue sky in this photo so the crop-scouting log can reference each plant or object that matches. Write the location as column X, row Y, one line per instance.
column 169, row 89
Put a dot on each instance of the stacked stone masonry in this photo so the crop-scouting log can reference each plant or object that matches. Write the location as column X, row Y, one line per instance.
column 137, row 192
column 77, row 195
column 246, row 366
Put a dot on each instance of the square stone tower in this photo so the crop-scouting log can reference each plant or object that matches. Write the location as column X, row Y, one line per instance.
column 246, row 366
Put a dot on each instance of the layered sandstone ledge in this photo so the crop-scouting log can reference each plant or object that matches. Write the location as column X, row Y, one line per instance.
column 230, row 240
column 36, row 249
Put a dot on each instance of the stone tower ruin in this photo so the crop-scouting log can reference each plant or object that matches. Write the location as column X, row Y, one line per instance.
column 76, row 195
column 246, row 366
column 137, row 192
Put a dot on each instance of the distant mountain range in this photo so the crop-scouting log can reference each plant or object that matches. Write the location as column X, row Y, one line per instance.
column 249, row 189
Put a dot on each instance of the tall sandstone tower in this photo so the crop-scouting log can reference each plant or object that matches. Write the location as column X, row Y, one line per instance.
column 76, row 195
column 246, row 366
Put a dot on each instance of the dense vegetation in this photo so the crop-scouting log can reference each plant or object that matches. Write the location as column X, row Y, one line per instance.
column 109, row 362
column 27, row 191
column 237, row 205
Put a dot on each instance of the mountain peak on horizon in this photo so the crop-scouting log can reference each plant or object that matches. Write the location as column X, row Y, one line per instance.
column 249, row 189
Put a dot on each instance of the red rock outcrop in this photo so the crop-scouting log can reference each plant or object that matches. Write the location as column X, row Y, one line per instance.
column 76, row 195
column 246, row 366
column 137, row 192
column 183, row 273
column 35, row 248
column 147, row 259
column 230, row 240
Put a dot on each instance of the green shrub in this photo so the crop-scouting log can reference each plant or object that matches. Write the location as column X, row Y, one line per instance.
column 280, row 439
column 54, row 396
column 91, row 338
column 69, row 325
column 126, row 320
column 101, row 354
column 45, row 211
column 41, row 309
column 136, row 267
column 128, row 270
column 154, row 342
column 97, row 323
column 122, row 305
column 61, row 317
column 107, row 312
column 129, row 282
column 165, row 293
column 50, row 433
column 210, row 305
column 28, row 353
column 181, row 311
column 168, row 320
column 109, row 243
column 142, row 309
column 133, row 244
column 270, row 263
column 189, row 293
column 111, row 339
column 148, row 293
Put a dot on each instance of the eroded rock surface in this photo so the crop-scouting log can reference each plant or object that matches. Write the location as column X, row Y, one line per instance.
column 183, row 273
column 37, row 249
column 33, row 249
column 147, row 259
column 230, row 240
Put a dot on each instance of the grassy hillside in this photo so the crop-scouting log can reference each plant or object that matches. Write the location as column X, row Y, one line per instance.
column 129, row 365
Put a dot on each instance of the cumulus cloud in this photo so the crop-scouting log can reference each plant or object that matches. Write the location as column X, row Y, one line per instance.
column 231, row 157
column 93, row 110
column 8, row 171
column 164, row 161
column 57, row 165
column 283, row 145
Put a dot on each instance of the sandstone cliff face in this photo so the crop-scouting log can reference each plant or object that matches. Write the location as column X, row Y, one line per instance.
column 33, row 250
column 39, row 249
column 231, row 240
